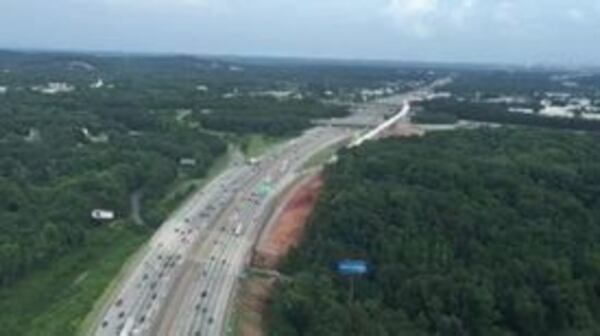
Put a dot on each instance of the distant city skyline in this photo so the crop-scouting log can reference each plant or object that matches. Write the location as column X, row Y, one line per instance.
column 524, row 32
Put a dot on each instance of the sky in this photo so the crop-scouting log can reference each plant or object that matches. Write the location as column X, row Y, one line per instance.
column 527, row 32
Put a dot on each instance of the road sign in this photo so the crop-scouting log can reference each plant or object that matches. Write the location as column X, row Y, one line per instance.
column 352, row 267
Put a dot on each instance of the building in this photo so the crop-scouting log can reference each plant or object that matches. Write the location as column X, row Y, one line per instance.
column 100, row 214
column 187, row 162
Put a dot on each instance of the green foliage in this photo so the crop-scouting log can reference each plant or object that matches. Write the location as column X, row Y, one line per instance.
column 264, row 115
column 53, row 174
column 488, row 232
column 54, row 301
column 498, row 113
column 427, row 117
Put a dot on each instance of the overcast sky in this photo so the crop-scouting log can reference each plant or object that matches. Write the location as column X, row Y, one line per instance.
column 513, row 31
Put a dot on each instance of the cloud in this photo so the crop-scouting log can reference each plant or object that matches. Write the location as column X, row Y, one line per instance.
column 462, row 11
column 157, row 3
column 411, row 16
column 505, row 13
column 576, row 14
column 412, row 8
column 205, row 6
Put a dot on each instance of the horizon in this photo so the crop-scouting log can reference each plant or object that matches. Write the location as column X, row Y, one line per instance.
column 314, row 59
column 425, row 31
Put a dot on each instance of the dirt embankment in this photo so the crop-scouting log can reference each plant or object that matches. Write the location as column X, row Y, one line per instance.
column 289, row 221
column 282, row 233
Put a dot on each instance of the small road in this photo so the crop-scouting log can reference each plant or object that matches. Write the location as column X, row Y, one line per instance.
column 136, row 208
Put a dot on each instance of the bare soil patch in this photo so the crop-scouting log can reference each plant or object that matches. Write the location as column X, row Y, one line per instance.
column 289, row 224
column 253, row 302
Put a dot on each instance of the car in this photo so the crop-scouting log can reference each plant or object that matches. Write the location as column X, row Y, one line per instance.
column 104, row 324
column 119, row 302
column 204, row 293
column 122, row 314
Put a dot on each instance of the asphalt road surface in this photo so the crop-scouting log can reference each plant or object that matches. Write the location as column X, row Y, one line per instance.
column 187, row 274
column 183, row 280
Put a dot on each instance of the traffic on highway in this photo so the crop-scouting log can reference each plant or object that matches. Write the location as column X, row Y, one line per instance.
column 184, row 279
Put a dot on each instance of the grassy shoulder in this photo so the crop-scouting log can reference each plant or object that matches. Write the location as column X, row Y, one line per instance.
column 254, row 145
column 55, row 300
column 247, row 315
column 323, row 156
column 63, row 298
column 177, row 194
column 185, row 185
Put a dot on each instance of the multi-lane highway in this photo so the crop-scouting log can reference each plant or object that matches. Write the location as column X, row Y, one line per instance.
column 183, row 280
column 188, row 271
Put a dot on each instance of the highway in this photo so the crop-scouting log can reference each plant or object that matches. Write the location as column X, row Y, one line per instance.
column 403, row 113
column 184, row 278
column 183, row 282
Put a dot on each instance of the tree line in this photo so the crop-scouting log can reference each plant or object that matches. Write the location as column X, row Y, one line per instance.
column 487, row 232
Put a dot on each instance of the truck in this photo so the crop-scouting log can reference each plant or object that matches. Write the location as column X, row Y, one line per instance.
column 239, row 229
column 128, row 327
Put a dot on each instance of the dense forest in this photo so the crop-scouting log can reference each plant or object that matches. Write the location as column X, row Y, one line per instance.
column 487, row 95
column 120, row 124
column 52, row 174
column 487, row 232
column 450, row 110
column 86, row 131
column 526, row 82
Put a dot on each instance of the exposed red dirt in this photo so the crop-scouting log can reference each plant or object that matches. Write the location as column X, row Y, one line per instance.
column 284, row 232
column 289, row 224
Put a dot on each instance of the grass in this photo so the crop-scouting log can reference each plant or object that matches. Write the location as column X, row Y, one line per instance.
column 56, row 299
column 176, row 196
column 255, row 145
column 65, row 297
column 321, row 157
column 185, row 184
column 235, row 324
column 240, row 313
